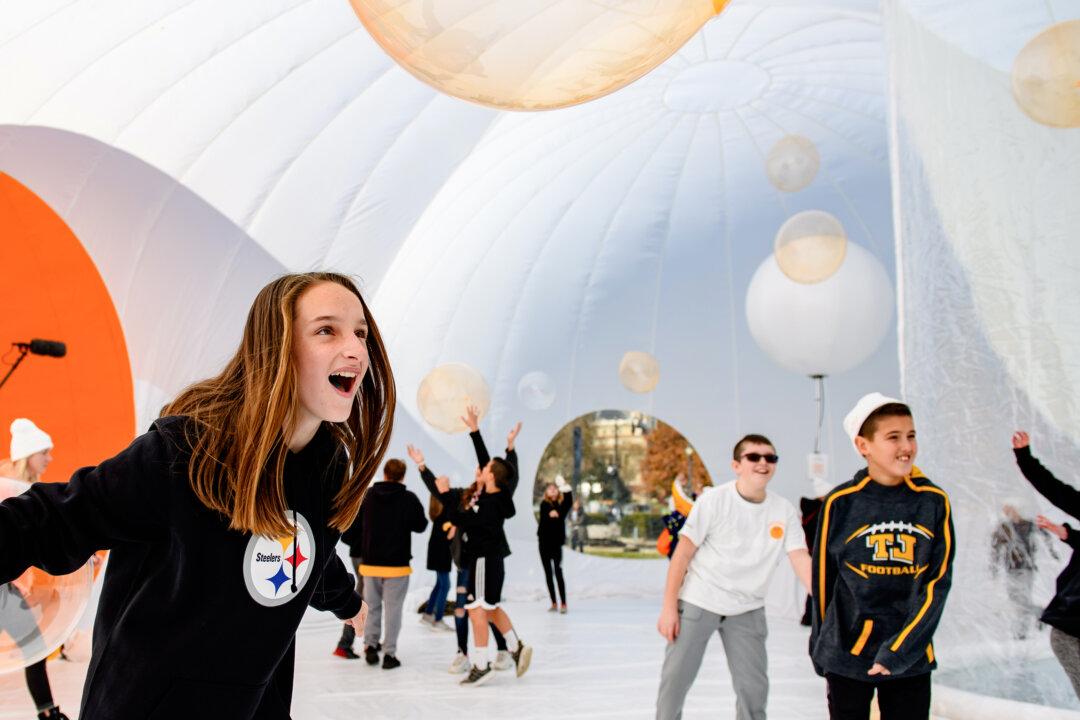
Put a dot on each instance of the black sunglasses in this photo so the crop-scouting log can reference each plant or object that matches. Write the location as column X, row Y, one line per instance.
column 758, row 457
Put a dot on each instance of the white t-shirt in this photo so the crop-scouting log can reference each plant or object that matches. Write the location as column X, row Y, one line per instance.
column 739, row 544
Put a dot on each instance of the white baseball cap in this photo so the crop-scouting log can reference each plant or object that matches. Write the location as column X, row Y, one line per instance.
column 867, row 404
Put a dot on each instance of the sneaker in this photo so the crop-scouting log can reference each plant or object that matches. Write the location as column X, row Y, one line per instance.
column 426, row 619
column 459, row 664
column 389, row 662
column 440, row 626
column 52, row 713
column 478, row 676
column 371, row 655
column 553, row 608
column 503, row 660
column 522, row 657
column 562, row 609
column 345, row 652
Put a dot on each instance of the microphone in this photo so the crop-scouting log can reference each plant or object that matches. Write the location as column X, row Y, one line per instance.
column 49, row 348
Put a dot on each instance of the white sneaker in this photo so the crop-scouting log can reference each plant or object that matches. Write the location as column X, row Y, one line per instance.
column 426, row 619
column 459, row 664
column 503, row 660
column 441, row 626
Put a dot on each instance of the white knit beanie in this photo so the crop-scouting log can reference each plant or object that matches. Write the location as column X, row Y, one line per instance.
column 27, row 439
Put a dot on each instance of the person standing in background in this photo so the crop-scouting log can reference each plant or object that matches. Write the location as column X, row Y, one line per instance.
column 551, row 535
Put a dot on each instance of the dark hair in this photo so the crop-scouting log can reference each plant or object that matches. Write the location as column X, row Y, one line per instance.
column 394, row 470
column 747, row 439
column 501, row 470
column 869, row 426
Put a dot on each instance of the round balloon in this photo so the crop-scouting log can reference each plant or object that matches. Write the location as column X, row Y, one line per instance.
column 38, row 611
column 639, row 371
column 1046, row 76
column 810, row 246
column 536, row 390
column 532, row 55
column 792, row 163
column 447, row 391
column 825, row 328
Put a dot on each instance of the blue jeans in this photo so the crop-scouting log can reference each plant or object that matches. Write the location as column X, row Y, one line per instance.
column 436, row 604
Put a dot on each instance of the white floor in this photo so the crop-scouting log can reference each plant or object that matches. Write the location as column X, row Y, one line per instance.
column 600, row 660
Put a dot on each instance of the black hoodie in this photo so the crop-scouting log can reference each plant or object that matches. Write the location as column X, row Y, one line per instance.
column 1063, row 612
column 384, row 527
column 882, row 571
column 195, row 619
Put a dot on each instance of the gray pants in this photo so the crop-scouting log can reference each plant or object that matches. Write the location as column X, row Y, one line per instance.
column 744, row 644
column 384, row 596
column 1067, row 649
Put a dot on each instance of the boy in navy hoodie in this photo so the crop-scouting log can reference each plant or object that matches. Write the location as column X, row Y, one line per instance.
column 882, row 570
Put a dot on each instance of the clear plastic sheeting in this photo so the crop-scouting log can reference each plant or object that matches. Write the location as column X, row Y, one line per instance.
column 988, row 254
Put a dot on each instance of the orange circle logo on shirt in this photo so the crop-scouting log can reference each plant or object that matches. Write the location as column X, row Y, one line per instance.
column 776, row 531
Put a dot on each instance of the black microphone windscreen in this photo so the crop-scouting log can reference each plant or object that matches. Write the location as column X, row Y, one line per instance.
column 51, row 348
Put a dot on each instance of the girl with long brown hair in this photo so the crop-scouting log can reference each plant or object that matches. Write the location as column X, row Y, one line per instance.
column 222, row 519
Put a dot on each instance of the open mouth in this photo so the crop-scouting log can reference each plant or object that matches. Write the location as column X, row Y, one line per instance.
column 343, row 381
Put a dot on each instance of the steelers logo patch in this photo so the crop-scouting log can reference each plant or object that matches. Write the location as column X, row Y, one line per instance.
column 276, row 569
column 776, row 531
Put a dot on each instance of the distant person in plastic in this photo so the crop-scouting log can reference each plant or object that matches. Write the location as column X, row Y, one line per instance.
column 1013, row 549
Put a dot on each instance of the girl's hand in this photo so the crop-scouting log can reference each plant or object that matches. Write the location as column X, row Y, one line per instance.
column 1020, row 439
column 512, row 436
column 358, row 620
column 415, row 455
column 1044, row 522
column 442, row 484
column 471, row 418
column 451, row 532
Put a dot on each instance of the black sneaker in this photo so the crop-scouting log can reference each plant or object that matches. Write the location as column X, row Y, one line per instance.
column 52, row 713
column 522, row 657
column 478, row 676
column 371, row 655
column 389, row 662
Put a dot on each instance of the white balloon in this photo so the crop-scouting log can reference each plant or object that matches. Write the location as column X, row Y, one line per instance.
column 447, row 391
column 825, row 328
column 536, row 390
column 639, row 371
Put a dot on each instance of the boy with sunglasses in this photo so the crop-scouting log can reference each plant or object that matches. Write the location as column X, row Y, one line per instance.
column 729, row 548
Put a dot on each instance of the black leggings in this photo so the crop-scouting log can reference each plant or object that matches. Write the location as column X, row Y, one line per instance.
column 37, row 681
column 551, row 557
column 901, row 699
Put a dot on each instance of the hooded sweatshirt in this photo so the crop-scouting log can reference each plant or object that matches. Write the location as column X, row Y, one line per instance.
column 1063, row 612
column 195, row 619
column 881, row 573
column 387, row 519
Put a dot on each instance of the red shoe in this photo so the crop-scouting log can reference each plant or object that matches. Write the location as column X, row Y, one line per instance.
column 345, row 652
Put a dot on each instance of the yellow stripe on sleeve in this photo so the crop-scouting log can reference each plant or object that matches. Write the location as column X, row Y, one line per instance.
column 825, row 538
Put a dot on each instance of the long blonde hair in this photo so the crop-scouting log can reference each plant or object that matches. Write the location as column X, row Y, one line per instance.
column 18, row 470
column 240, row 414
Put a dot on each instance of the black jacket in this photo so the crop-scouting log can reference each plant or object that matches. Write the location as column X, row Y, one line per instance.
column 438, row 547
column 183, row 594
column 383, row 528
column 481, row 525
column 552, row 530
column 881, row 573
column 1063, row 612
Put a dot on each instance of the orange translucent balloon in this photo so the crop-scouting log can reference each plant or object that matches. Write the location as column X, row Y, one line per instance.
column 1046, row 76
column 810, row 246
column 38, row 611
column 535, row 55
column 447, row 391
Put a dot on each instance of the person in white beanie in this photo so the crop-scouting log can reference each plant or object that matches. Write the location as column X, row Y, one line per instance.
column 882, row 570
column 31, row 453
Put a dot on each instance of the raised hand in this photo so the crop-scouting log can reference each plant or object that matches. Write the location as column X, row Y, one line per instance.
column 415, row 455
column 442, row 484
column 471, row 418
column 512, row 436
column 1020, row 439
column 1044, row 522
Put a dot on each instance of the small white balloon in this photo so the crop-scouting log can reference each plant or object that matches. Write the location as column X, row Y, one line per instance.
column 639, row 371
column 792, row 163
column 536, row 390
column 825, row 328
column 447, row 391
column 810, row 246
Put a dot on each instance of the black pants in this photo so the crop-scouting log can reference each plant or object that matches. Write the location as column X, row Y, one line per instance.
column 901, row 699
column 37, row 682
column 551, row 557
